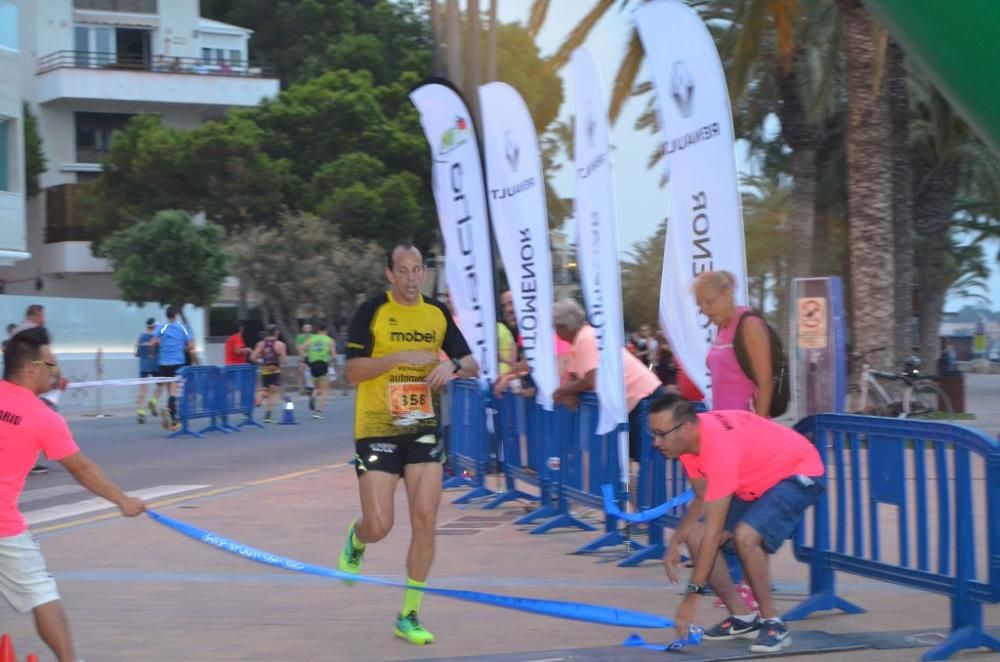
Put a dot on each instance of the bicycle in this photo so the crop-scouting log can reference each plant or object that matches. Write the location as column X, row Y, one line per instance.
column 920, row 396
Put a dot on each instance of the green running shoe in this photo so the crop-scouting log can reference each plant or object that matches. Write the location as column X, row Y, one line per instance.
column 410, row 629
column 350, row 558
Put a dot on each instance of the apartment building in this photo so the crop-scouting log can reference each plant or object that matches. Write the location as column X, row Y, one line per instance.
column 84, row 67
column 13, row 237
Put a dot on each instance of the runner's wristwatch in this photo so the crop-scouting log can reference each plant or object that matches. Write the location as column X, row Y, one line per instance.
column 458, row 366
column 695, row 588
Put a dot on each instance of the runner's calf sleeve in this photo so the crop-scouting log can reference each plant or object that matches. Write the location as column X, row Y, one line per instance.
column 412, row 597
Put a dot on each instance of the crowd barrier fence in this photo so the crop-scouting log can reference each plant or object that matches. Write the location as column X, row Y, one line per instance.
column 211, row 392
column 914, row 491
column 239, row 383
column 521, row 458
column 904, row 500
column 468, row 452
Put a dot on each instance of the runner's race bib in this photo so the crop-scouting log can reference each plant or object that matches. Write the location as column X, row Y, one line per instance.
column 410, row 402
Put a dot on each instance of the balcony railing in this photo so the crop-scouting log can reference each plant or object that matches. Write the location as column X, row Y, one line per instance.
column 156, row 64
column 133, row 6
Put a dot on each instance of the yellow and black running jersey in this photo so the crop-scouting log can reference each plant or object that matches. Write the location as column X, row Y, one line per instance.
column 399, row 401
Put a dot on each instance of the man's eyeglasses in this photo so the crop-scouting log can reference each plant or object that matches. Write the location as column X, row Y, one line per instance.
column 52, row 366
column 661, row 434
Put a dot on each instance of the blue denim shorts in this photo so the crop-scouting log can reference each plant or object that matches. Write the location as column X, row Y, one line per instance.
column 777, row 513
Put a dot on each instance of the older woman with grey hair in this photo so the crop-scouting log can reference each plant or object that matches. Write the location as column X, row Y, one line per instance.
column 571, row 325
column 568, row 314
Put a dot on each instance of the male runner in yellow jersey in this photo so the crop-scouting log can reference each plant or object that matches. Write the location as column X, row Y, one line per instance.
column 392, row 356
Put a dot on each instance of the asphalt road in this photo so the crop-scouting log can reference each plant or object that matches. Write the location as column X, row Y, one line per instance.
column 142, row 459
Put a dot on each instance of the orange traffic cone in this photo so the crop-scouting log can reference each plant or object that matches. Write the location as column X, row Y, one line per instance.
column 7, row 649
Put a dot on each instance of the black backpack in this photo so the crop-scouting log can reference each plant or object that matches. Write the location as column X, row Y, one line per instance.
column 779, row 365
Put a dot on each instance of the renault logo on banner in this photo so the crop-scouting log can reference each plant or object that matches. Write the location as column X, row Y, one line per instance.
column 682, row 88
column 511, row 150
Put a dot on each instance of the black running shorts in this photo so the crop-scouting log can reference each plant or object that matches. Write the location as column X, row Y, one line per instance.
column 392, row 454
column 169, row 370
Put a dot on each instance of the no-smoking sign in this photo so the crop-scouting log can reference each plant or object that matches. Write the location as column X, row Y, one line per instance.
column 812, row 322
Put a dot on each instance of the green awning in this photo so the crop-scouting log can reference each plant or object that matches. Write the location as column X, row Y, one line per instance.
column 957, row 42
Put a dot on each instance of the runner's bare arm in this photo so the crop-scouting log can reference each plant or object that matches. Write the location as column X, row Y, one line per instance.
column 758, row 344
column 672, row 557
column 570, row 390
column 444, row 371
column 363, row 368
column 90, row 475
column 708, row 550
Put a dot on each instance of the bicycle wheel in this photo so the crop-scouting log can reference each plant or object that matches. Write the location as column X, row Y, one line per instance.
column 876, row 404
column 927, row 400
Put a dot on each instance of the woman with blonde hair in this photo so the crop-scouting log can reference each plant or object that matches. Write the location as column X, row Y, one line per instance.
column 732, row 388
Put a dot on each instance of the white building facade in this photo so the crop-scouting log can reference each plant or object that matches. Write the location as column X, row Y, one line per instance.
column 13, row 234
column 84, row 68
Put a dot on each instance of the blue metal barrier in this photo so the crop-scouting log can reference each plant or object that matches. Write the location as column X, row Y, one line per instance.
column 543, row 457
column 469, row 439
column 658, row 482
column 516, row 458
column 940, row 482
column 201, row 396
column 239, row 385
column 586, row 461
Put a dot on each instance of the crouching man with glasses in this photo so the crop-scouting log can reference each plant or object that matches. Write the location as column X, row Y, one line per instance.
column 752, row 480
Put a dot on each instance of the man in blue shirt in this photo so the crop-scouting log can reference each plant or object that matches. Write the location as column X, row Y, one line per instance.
column 173, row 342
column 148, row 367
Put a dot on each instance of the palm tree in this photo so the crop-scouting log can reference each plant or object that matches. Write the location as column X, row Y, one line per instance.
column 869, row 185
column 955, row 176
column 474, row 61
column 775, row 56
column 767, row 205
column 782, row 58
column 902, row 196
column 491, row 48
column 437, row 40
column 966, row 271
column 453, row 32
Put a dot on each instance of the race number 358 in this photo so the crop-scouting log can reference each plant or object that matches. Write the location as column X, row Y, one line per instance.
column 411, row 400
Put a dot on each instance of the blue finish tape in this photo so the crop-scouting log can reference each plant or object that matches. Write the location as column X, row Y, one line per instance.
column 611, row 507
column 693, row 639
column 556, row 608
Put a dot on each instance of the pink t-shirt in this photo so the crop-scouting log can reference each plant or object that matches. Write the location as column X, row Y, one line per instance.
column 563, row 351
column 640, row 381
column 746, row 455
column 586, row 356
column 27, row 426
column 731, row 388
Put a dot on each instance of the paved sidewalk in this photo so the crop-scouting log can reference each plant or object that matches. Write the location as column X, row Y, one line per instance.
column 135, row 590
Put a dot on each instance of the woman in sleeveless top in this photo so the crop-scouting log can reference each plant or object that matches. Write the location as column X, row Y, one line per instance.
column 731, row 387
